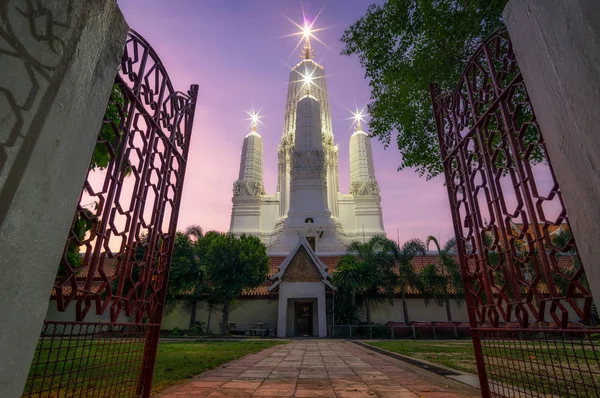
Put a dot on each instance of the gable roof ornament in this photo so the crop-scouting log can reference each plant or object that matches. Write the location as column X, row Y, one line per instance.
column 277, row 278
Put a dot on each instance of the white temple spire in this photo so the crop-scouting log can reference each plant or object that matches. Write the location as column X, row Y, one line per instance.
column 362, row 171
column 250, row 179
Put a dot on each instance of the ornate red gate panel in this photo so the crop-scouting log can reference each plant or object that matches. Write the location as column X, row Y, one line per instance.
column 528, row 299
column 112, row 278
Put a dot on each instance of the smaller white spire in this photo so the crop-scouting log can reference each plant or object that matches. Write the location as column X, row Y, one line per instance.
column 362, row 170
column 250, row 179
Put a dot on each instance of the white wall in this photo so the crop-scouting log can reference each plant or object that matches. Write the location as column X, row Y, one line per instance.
column 346, row 214
column 269, row 210
column 243, row 312
column 417, row 311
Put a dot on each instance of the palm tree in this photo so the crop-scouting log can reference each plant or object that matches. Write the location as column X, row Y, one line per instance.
column 436, row 283
column 366, row 273
column 406, row 275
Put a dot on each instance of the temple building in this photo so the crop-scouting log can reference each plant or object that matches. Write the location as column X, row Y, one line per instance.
column 308, row 217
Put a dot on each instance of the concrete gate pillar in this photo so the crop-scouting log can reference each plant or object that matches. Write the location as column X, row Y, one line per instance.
column 557, row 44
column 56, row 72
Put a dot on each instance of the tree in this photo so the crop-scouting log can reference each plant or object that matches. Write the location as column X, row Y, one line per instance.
column 206, row 290
column 403, row 45
column 405, row 270
column 367, row 274
column 233, row 265
column 356, row 278
column 195, row 232
column 437, row 279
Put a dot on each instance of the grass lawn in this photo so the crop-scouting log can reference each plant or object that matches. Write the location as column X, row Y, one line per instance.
column 552, row 367
column 179, row 361
column 86, row 367
column 457, row 355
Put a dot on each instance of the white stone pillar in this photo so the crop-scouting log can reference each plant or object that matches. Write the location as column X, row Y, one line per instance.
column 59, row 90
column 557, row 44
column 282, row 315
column 322, row 305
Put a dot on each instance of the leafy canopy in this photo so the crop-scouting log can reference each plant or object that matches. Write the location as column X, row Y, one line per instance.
column 233, row 264
column 403, row 45
column 186, row 275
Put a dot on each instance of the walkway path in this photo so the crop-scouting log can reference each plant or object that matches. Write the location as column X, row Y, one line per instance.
column 319, row 368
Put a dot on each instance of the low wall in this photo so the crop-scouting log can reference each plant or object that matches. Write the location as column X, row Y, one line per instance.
column 245, row 312
column 417, row 311
column 242, row 312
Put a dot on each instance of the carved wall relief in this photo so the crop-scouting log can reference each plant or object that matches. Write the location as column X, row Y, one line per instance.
column 302, row 269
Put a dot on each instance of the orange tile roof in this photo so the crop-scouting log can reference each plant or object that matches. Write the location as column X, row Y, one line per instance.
column 419, row 263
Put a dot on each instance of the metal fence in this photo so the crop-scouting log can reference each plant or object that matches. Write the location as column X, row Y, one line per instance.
column 529, row 303
column 417, row 330
column 116, row 259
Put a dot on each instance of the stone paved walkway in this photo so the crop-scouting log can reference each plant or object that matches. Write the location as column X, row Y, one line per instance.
column 319, row 368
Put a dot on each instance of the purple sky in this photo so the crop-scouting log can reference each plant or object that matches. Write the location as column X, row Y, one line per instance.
column 236, row 50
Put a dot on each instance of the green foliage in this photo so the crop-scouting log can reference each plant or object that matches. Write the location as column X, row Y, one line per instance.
column 111, row 130
column 346, row 311
column 81, row 225
column 365, row 275
column 403, row 45
column 100, row 159
column 371, row 272
column 443, row 282
column 186, row 274
column 406, row 272
column 197, row 329
column 232, row 265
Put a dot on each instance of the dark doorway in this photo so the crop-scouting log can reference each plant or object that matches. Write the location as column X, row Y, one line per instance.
column 304, row 319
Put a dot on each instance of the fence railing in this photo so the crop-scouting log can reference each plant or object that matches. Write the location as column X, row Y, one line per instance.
column 416, row 330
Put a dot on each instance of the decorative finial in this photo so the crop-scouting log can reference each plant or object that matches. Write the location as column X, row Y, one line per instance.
column 307, row 52
column 254, row 119
column 358, row 117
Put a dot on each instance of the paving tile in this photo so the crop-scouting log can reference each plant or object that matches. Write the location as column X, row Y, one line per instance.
column 313, row 385
column 314, row 393
column 355, row 394
column 396, row 394
column 283, row 384
column 351, row 388
column 242, row 384
column 223, row 394
column 267, row 392
column 427, row 388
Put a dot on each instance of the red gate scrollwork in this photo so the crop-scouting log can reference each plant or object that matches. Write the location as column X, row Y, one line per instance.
column 529, row 303
column 112, row 278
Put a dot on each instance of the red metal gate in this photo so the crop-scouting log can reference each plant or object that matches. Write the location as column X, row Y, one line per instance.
column 528, row 299
column 112, row 278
